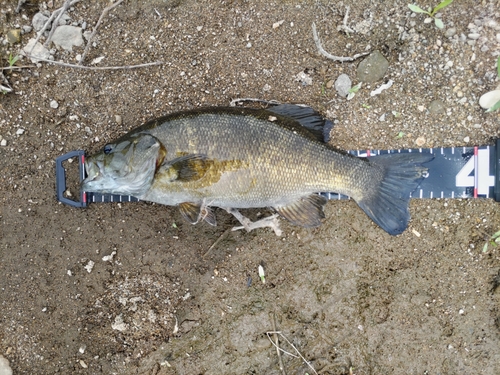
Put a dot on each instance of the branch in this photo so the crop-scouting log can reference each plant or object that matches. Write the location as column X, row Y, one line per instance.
column 104, row 12
column 330, row 56
column 94, row 67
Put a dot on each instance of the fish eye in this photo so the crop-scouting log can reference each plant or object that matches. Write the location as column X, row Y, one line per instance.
column 107, row 149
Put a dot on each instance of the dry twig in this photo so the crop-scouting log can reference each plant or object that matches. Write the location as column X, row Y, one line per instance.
column 103, row 14
column 330, row 56
column 63, row 9
column 54, row 14
column 344, row 26
column 221, row 237
column 282, row 366
column 288, row 353
column 94, row 67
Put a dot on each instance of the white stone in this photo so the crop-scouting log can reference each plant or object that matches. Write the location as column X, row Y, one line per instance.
column 89, row 266
column 54, row 104
column 489, row 99
column 67, row 36
column 5, row 366
column 20, row 131
column 38, row 51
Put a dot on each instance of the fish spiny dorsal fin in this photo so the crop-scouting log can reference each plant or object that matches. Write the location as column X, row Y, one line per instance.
column 308, row 118
column 305, row 212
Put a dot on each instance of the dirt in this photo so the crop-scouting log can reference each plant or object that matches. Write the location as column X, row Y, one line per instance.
column 349, row 297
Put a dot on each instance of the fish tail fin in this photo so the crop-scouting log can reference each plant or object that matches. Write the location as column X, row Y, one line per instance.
column 388, row 203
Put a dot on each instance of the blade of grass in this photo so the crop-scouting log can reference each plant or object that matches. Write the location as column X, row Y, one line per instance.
column 440, row 6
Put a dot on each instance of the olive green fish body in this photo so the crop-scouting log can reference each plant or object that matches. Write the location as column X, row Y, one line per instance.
column 250, row 162
column 243, row 158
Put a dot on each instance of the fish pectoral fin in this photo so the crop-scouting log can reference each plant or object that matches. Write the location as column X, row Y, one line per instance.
column 306, row 212
column 186, row 168
column 194, row 213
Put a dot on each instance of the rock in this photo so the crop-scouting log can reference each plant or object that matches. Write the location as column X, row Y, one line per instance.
column 473, row 36
column 437, row 106
column 489, row 99
column 27, row 29
column 54, row 104
column 67, row 36
column 14, row 36
column 39, row 51
column 5, row 366
column 39, row 21
column 304, row 78
column 420, row 141
column 450, row 32
column 372, row 68
column 343, row 84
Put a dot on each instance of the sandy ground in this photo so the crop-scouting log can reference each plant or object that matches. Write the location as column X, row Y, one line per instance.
column 347, row 296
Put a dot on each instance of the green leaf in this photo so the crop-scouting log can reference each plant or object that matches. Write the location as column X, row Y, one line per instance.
column 485, row 247
column 494, row 108
column 495, row 235
column 498, row 66
column 417, row 9
column 441, row 5
column 439, row 23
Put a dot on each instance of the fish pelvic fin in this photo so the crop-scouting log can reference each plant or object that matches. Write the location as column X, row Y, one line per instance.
column 387, row 204
column 194, row 213
column 306, row 212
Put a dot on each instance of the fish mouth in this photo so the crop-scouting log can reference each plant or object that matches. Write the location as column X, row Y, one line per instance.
column 94, row 176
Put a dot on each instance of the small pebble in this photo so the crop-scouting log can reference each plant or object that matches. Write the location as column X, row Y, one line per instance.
column 20, row 131
column 474, row 36
column 54, row 104
column 450, row 32
column 466, row 139
column 27, row 29
column 14, row 36
column 3, row 142
column 420, row 141
column 118, row 119
column 278, row 24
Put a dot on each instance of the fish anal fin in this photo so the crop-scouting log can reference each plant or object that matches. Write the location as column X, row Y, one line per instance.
column 306, row 212
column 194, row 213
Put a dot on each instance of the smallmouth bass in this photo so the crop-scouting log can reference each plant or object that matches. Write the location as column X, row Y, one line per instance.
column 236, row 158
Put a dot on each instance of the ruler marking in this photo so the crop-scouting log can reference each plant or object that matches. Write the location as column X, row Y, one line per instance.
column 476, row 171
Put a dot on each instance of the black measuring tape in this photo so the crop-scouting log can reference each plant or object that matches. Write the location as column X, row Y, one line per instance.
column 455, row 172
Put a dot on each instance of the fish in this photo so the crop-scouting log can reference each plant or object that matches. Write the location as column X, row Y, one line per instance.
column 237, row 158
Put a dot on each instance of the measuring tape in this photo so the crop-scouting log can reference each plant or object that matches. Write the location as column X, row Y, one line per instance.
column 455, row 172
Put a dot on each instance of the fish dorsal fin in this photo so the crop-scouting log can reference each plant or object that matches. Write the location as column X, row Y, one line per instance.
column 185, row 168
column 194, row 213
column 305, row 212
column 308, row 118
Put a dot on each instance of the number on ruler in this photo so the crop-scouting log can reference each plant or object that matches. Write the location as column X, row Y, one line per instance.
column 465, row 177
